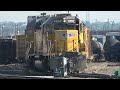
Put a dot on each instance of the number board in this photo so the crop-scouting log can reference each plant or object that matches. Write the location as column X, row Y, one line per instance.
column 70, row 21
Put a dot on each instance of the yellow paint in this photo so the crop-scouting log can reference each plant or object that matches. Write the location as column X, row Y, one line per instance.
column 86, row 42
column 66, row 40
column 20, row 45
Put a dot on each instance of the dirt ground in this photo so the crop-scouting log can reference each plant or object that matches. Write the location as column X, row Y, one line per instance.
column 102, row 67
column 12, row 67
column 92, row 67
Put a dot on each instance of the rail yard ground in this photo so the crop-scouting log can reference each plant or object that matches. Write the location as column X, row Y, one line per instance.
column 104, row 67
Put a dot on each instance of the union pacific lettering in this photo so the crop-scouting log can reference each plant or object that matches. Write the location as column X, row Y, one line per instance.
column 68, row 35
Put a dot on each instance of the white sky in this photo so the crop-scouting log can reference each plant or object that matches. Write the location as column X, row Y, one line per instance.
column 21, row 16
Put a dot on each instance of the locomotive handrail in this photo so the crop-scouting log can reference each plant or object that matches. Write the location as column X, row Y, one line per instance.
column 28, row 49
column 45, row 21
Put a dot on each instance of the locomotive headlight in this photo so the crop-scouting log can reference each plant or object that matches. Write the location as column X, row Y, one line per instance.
column 64, row 20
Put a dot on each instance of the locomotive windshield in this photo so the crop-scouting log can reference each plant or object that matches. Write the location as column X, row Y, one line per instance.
column 63, row 26
column 63, row 23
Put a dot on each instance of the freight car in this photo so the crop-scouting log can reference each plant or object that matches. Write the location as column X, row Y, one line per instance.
column 7, row 51
column 112, row 46
column 112, row 49
column 97, row 49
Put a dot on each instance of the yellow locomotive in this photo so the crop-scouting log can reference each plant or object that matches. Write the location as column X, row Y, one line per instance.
column 59, row 43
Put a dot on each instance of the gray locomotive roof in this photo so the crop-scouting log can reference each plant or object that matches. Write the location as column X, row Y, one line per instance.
column 42, row 20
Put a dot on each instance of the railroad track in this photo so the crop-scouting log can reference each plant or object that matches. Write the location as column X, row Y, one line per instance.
column 72, row 76
column 7, row 76
column 95, row 75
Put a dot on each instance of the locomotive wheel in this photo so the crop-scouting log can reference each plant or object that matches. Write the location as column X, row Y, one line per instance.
column 37, row 64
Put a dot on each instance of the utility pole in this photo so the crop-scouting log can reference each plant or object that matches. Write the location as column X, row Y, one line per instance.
column 104, row 26
column 16, row 29
column 87, row 17
column 112, row 25
column 108, row 25
column 1, row 30
column 96, row 27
